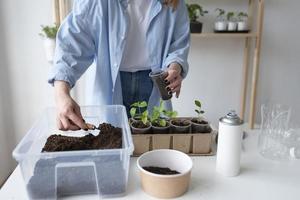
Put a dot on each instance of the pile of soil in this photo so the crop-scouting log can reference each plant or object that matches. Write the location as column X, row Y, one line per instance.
column 161, row 170
column 139, row 124
column 198, row 121
column 110, row 137
column 180, row 122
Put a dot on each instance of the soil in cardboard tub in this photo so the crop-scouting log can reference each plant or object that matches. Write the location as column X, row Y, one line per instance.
column 161, row 170
column 51, row 179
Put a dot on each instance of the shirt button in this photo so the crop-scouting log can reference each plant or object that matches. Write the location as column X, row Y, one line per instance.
column 116, row 65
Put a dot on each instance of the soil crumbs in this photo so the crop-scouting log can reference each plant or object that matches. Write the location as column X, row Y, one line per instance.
column 110, row 137
column 180, row 122
column 161, row 170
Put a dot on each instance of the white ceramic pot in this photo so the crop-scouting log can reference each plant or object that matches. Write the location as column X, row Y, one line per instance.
column 49, row 46
column 242, row 25
column 232, row 26
column 220, row 25
column 165, row 186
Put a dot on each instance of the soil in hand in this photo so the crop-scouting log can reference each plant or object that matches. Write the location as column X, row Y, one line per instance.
column 110, row 137
column 161, row 170
column 180, row 122
column 139, row 124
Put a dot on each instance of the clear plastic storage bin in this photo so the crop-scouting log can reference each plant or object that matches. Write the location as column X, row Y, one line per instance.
column 56, row 174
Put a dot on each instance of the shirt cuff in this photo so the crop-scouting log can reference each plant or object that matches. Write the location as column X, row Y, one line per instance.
column 61, row 73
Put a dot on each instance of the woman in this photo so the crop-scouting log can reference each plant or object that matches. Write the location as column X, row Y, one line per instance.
column 126, row 39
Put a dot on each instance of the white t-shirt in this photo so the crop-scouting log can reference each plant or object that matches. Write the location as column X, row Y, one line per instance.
column 135, row 55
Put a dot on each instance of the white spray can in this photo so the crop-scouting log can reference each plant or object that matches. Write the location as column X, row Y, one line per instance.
column 229, row 144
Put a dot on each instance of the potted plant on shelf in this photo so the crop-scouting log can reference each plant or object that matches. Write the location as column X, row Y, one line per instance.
column 139, row 122
column 199, row 125
column 195, row 11
column 221, row 23
column 232, row 25
column 49, row 35
column 242, row 24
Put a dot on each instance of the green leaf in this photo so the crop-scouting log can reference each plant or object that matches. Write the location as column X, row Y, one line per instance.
column 145, row 117
column 202, row 111
column 197, row 111
column 136, row 104
column 198, row 103
column 132, row 112
column 162, row 122
column 142, row 104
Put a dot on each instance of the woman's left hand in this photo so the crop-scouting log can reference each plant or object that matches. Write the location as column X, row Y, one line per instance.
column 174, row 78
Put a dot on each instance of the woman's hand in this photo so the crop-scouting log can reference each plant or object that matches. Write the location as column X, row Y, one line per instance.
column 174, row 78
column 172, row 3
column 68, row 112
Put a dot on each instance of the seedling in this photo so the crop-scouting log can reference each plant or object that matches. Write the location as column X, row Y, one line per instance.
column 195, row 10
column 49, row 31
column 242, row 16
column 159, row 112
column 221, row 13
column 198, row 109
column 231, row 16
column 137, row 113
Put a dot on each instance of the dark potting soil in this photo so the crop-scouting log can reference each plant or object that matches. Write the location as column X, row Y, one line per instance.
column 197, row 121
column 109, row 137
column 180, row 122
column 139, row 124
column 105, row 173
column 161, row 170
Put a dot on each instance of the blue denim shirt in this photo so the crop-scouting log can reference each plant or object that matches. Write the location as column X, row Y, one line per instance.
column 95, row 32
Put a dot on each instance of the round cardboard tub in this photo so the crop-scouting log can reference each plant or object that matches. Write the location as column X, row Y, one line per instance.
column 165, row 186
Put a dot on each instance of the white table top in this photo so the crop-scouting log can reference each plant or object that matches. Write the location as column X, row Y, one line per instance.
column 259, row 179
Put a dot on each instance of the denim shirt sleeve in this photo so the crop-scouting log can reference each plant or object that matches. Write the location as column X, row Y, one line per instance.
column 179, row 48
column 75, row 47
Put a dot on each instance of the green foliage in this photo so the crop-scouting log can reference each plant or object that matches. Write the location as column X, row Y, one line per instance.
column 230, row 16
column 144, row 117
column 242, row 16
column 49, row 31
column 195, row 10
column 136, row 109
column 158, row 113
column 221, row 12
column 198, row 109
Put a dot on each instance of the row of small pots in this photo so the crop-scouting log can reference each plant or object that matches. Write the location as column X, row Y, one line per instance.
column 176, row 125
column 231, row 26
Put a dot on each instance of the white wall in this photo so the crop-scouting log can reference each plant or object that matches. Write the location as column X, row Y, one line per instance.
column 214, row 72
column 23, row 72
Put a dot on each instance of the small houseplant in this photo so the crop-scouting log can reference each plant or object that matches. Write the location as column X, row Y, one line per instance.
column 232, row 24
column 139, row 122
column 199, row 125
column 159, row 121
column 48, row 34
column 195, row 11
column 221, row 23
column 242, row 24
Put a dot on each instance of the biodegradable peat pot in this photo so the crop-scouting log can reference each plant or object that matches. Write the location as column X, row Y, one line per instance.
column 242, row 26
column 220, row 26
column 49, row 46
column 202, row 143
column 179, row 125
column 161, row 141
column 158, row 78
column 196, row 27
column 182, row 142
column 200, row 126
column 141, row 143
column 156, row 129
column 232, row 26
column 138, row 127
column 165, row 186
